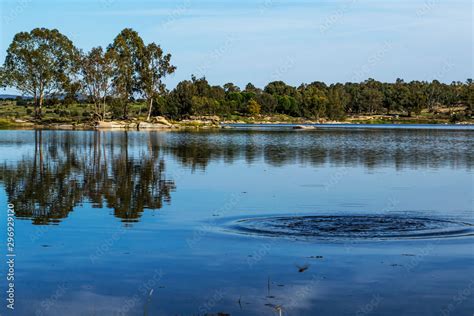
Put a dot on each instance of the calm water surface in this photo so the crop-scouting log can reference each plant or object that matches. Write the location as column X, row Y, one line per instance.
column 339, row 221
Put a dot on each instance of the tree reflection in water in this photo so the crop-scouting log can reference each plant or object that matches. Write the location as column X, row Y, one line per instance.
column 126, row 171
column 64, row 172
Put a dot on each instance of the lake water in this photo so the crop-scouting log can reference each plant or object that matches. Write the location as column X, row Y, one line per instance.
column 335, row 221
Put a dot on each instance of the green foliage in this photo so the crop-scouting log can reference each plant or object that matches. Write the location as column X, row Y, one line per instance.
column 316, row 100
column 116, row 108
column 22, row 102
column 468, row 94
column 253, row 108
column 40, row 63
column 97, row 71
column 457, row 117
column 154, row 66
column 337, row 101
column 126, row 52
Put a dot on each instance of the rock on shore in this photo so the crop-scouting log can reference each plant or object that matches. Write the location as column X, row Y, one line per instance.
column 111, row 124
column 303, row 127
column 158, row 122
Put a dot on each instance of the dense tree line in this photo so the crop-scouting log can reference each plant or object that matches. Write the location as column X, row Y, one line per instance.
column 315, row 100
column 44, row 63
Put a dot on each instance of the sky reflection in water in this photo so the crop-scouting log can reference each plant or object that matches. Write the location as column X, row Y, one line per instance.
column 105, row 217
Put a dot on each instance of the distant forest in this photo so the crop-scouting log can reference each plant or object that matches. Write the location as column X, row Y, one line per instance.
column 46, row 65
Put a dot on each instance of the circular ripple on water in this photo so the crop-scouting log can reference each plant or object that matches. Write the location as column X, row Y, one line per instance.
column 362, row 227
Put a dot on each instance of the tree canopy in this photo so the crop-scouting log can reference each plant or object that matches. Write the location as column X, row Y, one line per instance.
column 40, row 63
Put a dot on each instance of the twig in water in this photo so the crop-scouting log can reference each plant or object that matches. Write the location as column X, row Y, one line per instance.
column 302, row 268
column 268, row 286
column 278, row 308
column 145, row 312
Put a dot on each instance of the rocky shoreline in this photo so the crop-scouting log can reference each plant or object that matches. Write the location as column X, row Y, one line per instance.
column 201, row 122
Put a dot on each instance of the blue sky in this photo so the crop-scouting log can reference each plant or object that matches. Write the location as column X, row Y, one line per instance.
column 264, row 40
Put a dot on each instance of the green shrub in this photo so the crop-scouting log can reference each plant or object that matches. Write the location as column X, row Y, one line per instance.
column 457, row 117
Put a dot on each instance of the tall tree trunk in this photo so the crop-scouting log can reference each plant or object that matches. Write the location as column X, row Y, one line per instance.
column 40, row 105
column 125, row 110
column 97, row 106
column 97, row 112
column 103, row 108
column 35, row 105
column 150, row 108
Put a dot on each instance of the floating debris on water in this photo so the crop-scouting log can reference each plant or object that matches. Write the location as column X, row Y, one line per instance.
column 315, row 257
column 303, row 268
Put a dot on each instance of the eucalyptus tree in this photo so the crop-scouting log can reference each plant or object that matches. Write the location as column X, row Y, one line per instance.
column 253, row 108
column 435, row 94
column 469, row 94
column 155, row 65
column 97, row 71
column 230, row 87
column 279, row 88
column 337, row 100
column 314, row 101
column 40, row 63
column 251, row 88
column 418, row 98
column 126, row 51
column 180, row 100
